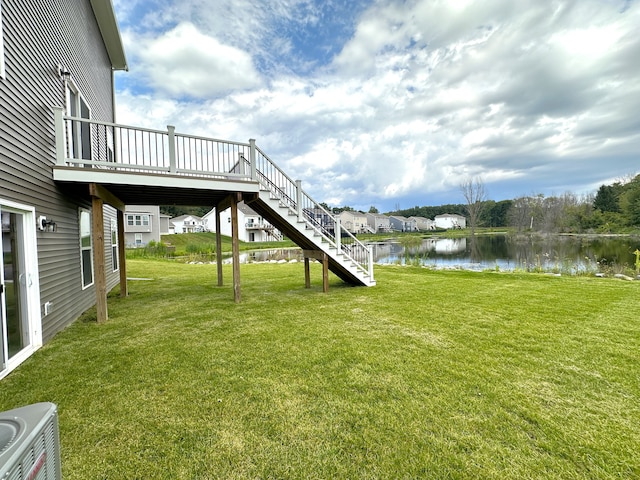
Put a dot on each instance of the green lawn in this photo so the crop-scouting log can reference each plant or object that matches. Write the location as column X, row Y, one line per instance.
column 430, row 374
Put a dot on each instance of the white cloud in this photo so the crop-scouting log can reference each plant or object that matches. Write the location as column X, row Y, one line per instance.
column 423, row 94
column 185, row 62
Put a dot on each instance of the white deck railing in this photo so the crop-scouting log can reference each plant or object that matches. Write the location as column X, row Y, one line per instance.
column 86, row 143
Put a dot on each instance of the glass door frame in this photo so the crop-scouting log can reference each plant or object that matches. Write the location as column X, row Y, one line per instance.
column 31, row 320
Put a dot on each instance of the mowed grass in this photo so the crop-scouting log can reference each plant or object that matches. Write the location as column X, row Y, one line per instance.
column 427, row 375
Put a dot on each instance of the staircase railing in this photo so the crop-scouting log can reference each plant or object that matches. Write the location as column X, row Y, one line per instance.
column 291, row 194
column 90, row 143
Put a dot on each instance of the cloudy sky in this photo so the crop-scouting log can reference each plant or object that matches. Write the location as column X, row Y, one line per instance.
column 395, row 102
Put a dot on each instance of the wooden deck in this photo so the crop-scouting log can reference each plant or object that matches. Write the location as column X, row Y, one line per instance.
column 134, row 166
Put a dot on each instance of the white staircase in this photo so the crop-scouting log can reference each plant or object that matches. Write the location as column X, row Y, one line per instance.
column 309, row 234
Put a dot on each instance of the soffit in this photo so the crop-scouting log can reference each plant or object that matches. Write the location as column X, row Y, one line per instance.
column 106, row 17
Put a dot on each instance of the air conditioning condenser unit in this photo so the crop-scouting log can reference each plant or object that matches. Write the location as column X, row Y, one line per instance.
column 30, row 443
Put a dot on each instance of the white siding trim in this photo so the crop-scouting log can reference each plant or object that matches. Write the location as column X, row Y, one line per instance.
column 84, row 248
column 34, row 321
column 2, row 72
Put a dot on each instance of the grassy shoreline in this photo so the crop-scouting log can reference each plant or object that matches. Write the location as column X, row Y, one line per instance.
column 438, row 374
column 205, row 242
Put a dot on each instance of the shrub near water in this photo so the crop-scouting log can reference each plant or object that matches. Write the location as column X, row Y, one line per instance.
column 151, row 250
column 430, row 374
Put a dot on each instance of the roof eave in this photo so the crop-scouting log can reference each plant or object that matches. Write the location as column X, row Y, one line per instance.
column 106, row 17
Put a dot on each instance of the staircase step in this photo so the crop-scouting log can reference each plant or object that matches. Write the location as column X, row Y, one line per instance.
column 340, row 259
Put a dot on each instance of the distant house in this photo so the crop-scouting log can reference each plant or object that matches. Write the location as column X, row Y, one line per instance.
column 186, row 224
column 354, row 222
column 165, row 226
column 450, row 221
column 402, row 224
column 320, row 218
column 251, row 226
column 423, row 223
column 144, row 224
column 378, row 222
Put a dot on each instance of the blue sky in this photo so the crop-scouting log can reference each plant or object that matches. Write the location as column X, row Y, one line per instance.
column 395, row 103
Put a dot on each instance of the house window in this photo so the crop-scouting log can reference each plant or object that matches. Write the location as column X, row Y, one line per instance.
column 138, row 239
column 2, row 74
column 86, row 248
column 138, row 220
column 79, row 135
column 114, row 244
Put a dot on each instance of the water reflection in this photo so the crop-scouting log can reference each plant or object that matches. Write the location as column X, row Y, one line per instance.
column 552, row 253
column 545, row 253
column 276, row 255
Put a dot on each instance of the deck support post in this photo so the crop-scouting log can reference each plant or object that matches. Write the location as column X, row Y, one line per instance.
column 99, row 271
column 218, row 247
column 122, row 257
column 235, row 248
column 322, row 258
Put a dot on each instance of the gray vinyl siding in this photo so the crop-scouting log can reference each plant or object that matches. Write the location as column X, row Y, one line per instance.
column 149, row 233
column 39, row 35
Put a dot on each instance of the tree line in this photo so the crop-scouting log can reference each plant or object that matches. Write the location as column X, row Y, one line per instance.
column 613, row 208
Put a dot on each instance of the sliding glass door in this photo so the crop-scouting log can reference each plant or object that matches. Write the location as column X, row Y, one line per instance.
column 19, row 296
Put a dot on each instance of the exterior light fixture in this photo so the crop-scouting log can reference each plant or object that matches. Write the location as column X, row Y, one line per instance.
column 64, row 73
column 45, row 225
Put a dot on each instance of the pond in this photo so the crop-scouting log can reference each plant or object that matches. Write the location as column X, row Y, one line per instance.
column 550, row 253
column 568, row 254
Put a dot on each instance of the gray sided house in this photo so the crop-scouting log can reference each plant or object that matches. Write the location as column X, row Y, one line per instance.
column 52, row 54
column 379, row 222
column 144, row 224
column 321, row 219
column 67, row 171
column 423, row 223
column 402, row 224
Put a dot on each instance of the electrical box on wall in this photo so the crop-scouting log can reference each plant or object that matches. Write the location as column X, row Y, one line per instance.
column 48, row 307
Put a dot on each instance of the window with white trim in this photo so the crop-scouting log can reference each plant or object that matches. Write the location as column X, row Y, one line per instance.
column 138, row 220
column 2, row 73
column 138, row 239
column 79, row 135
column 114, row 244
column 86, row 248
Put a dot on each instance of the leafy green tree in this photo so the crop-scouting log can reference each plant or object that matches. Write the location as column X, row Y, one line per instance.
column 495, row 214
column 630, row 202
column 606, row 199
column 373, row 209
column 345, row 208
column 176, row 210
